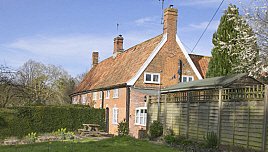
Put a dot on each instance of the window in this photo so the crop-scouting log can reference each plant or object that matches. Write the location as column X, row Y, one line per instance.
column 141, row 116
column 83, row 99
column 186, row 78
column 107, row 94
column 100, row 95
column 115, row 115
column 152, row 78
column 100, row 106
column 74, row 100
column 115, row 95
column 94, row 95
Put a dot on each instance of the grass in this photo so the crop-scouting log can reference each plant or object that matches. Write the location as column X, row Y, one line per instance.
column 115, row 144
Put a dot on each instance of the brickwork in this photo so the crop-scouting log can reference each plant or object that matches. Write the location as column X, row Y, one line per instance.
column 95, row 58
column 111, row 102
column 136, row 101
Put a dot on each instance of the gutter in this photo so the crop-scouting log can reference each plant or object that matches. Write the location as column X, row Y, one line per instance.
column 123, row 85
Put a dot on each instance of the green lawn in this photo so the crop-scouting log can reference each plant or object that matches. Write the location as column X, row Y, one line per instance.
column 116, row 144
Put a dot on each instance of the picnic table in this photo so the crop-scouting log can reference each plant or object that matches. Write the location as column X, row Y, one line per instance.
column 89, row 128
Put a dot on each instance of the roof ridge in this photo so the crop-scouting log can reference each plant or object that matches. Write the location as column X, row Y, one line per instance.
column 130, row 48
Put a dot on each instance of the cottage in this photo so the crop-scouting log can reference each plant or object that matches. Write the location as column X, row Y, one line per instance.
column 120, row 83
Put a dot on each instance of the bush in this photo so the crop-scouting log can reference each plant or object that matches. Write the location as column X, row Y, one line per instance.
column 170, row 139
column 211, row 140
column 123, row 128
column 19, row 121
column 156, row 129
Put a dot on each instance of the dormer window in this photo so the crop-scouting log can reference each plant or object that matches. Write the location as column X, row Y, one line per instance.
column 152, row 78
column 186, row 78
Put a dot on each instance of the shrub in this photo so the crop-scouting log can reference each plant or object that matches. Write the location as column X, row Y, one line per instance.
column 123, row 128
column 19, row 121
column 156, row 129
column 31, row 137
column 211, row 140
column 61, row 133
column 170, row 139
column 180, row 140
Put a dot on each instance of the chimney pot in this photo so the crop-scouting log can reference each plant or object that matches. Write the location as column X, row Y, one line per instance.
column 95, row 58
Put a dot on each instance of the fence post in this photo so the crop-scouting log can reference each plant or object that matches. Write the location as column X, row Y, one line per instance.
column 265, row 118
column 165, row 115
column 219, row 116
column 188, row 112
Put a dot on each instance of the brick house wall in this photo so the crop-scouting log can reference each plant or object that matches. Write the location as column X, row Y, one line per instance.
column 111, row 103
column 136, row 101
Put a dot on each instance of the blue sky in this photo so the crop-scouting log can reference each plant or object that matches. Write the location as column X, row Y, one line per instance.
column 65, row 32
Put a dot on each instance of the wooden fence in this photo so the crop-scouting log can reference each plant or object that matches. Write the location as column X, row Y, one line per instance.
column 237, row 115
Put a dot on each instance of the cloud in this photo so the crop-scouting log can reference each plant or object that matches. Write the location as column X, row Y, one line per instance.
column 147, row 21
column 73, row 52
column 213, row 25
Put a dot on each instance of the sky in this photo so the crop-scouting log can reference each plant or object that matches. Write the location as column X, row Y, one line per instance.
column 66, row 32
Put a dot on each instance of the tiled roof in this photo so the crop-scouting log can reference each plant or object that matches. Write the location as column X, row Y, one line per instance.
column 201, row 63
column 119, row 70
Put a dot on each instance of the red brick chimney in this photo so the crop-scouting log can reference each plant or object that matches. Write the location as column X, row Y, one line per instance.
column 95, row 58
column 118, row 45
column 170, row 22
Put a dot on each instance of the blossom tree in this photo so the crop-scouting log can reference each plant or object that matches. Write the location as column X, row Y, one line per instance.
column 256, row 14
column 235, row 47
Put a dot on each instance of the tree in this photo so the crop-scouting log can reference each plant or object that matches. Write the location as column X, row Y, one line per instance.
column 256, row 14
column 10, row 91
column 44, row 84
column 235, row 48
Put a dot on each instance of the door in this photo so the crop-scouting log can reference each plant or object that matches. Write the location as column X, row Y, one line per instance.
column 107, row 119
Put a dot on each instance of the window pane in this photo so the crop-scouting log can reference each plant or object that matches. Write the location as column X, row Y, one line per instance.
column 100, row 95
column 190, row 79
column 148, row 77
column 145, row 119
column 155, row 78
column 141, row 120
column 184, row 79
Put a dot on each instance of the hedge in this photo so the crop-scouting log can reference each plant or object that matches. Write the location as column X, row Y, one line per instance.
column 19, row 121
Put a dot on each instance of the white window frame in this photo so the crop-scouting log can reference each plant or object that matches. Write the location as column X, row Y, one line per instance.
column 141, row 115
column 187, row 78
column 95, row 94
column 100, row 106
column 100, row 95
column 107, row 94
column 74, row 101
column 83, row 99
column 116, row 93
column 115, row 116
column 152, row 76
